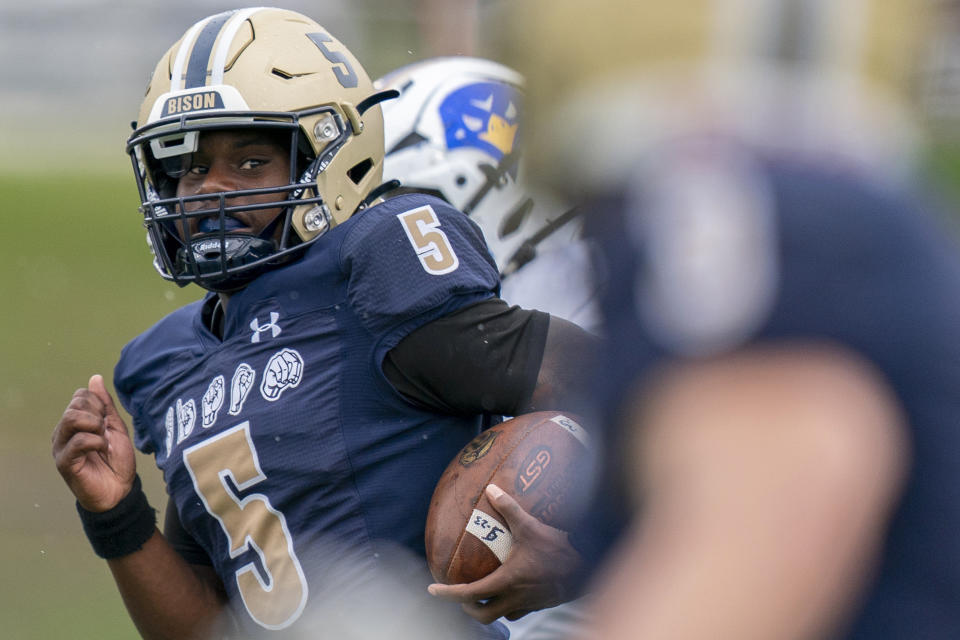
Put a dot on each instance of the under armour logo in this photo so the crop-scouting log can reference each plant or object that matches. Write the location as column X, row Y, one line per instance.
column 272, row 327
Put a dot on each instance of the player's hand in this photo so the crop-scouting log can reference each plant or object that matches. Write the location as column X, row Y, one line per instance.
column 534, row 576
column 92, row 449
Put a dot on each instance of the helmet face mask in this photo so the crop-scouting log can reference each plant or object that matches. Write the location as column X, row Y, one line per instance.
column 217, row 258
column 306, row 100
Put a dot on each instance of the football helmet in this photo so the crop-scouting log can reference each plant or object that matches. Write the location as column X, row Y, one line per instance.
column 455, row 132
column 268, row 69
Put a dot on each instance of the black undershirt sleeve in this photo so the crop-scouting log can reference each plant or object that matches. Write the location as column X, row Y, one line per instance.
column 484, row 358
column 181, row 541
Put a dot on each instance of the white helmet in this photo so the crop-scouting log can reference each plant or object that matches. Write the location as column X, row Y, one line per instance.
column 454, row 131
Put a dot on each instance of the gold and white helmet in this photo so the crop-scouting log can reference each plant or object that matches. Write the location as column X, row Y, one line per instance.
column 262, row 68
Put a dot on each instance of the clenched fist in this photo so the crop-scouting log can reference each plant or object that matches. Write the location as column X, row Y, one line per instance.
column 92, row 449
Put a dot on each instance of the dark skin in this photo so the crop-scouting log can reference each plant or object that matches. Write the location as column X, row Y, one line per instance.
column 95, row 455
column 534, row 575
column 233, row 160
column 229, row 160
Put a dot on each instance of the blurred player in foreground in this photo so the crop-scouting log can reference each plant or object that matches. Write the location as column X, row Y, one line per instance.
column 348, row 347
column 782, row 373
column 455, row 131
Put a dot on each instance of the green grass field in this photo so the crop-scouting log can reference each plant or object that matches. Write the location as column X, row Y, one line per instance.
column 77, row 285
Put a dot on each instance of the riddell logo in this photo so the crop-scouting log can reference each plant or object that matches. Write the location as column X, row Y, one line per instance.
column 192, row 102
column 532, row 469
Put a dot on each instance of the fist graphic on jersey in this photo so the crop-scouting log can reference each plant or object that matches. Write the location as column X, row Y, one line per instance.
column 284, row 370
column 186, row 418
column 212, row 401
column 240, row 386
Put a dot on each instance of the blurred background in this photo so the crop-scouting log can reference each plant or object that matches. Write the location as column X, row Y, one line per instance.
column 77, row 282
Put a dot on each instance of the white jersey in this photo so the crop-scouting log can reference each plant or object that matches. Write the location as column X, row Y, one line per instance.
column 558, row 281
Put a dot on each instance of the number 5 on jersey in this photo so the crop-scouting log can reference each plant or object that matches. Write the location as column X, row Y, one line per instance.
column 250, row 523
column 429, row 241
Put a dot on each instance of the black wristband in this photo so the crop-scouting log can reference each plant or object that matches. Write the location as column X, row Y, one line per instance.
column 123, row 529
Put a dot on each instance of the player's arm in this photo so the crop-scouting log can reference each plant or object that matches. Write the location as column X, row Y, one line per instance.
column 166, row 597
column 493, row 358
column 765, row 480
column 506, row 360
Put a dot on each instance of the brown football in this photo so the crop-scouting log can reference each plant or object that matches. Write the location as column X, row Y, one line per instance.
column 542, row 459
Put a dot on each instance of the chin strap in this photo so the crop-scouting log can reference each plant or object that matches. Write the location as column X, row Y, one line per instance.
column 528, row 250
column 492, row 175
column 376, row 192
column 376, row 98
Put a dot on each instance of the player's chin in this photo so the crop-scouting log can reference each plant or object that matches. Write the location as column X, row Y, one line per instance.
column 260, row 220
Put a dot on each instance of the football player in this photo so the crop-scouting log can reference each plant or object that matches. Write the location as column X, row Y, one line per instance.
column 455, row 130
column 781, row 376
column 348, row 347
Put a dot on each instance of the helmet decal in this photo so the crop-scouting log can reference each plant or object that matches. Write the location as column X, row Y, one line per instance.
column 482, row 115
column 192, row 102
column 341, row 67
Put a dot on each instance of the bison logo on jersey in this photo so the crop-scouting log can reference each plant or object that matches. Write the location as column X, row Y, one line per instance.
column 478, row 447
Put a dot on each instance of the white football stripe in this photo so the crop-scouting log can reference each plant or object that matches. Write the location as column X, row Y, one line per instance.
column 226, row 39
column 490, row 532
column 176, row 79
column 573, row 428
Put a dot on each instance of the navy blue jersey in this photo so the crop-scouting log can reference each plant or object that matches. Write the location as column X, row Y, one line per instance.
column 283, row 442
column 730, row 250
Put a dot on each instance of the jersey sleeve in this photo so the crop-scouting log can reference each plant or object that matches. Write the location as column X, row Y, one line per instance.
column 143, row 361
column 498, row 352
column 413, row 259
column 181, row 540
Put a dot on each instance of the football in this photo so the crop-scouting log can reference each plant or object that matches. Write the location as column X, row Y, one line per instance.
column 542, row 459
